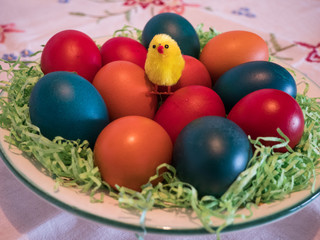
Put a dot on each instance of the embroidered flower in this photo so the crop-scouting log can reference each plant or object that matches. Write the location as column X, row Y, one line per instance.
column 9, row 57
column 26, row 53
column 177, row 6
column 244, row 11
column 314, row 54
column 6, row 28
column 143, row 3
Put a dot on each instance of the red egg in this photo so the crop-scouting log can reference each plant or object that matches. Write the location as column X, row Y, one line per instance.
column 260, row 113
column 194, row 73
column 72, row 51
column 123, row 48
column 129, row 150
column 185, row 105
column 125, row 90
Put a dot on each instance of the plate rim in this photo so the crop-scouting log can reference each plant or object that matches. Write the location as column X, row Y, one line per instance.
column 103, row 220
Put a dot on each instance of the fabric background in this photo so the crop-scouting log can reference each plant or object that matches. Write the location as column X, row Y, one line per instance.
column 26, row 25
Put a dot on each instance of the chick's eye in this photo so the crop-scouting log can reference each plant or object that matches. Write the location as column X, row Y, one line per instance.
column 154, row 46
column 166, row 46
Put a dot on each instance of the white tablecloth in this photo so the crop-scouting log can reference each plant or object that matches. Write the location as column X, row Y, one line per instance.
column 25, row 25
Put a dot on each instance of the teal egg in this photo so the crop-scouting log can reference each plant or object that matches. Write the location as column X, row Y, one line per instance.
column 179, row 28
column 67, row 105
column 210, row 153
column 252, row 76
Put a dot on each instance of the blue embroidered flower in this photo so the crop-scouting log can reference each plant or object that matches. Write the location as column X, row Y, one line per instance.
column 9, row 57
column 26, row 53
column 244, row 11
column 63, row 1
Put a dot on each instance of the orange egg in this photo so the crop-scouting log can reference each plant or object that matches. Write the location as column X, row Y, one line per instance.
column 129, row 150
column 125, row 90
column 230, row 49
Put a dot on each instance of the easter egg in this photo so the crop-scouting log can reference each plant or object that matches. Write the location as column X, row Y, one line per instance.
column 67, row 105
column 179, row 28
column 73, row 51
column 251, row 76
column 129, row 150
column 125, row 90
column 230, row 49
column 123, row 48
column 194, row 73
column 210, row 153
column 186, row 104
column 261, row 112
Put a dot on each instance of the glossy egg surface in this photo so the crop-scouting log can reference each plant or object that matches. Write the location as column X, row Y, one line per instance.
column 251, row 76
column 179, row 28
column 65, row 104
column 230, row 49
column 210, row 153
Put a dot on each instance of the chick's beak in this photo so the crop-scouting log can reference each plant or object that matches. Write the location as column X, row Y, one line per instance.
column 160, row 49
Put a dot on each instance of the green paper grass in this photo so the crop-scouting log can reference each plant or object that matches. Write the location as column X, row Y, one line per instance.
column 269, row 176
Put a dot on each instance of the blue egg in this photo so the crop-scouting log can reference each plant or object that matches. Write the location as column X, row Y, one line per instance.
column 210, row 153
column 67, row 105
column 179, row 28
column 251, row 76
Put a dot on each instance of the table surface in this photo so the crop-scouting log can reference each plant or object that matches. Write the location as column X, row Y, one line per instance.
column 291, row 29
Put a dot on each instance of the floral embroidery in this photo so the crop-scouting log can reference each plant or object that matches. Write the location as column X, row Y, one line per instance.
column 314, row 54
column 26, row 53
column 63, row 1
column 6, row 28
column 244, row 11
column 143, row 3
column 177, row 6
column 9, row 57
column 12, row 57
column 275, row 47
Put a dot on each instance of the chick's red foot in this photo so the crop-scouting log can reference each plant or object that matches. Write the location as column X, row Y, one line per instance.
column 155, row 91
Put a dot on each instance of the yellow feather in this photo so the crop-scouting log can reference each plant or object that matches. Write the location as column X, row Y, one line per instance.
column 164, row 69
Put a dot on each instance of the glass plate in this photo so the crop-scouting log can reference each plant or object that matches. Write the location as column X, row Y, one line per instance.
column 173, row 221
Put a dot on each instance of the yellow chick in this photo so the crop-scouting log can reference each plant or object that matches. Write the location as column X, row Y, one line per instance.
column 164, row 63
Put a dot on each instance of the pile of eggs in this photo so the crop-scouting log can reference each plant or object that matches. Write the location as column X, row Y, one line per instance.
column 226, row 92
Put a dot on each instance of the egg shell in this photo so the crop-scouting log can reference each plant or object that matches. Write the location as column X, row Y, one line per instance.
column 125, row 90
column 210, row 153
column 230, row 49
column 194, row 73
column 73, row 51
column 261, row 112
column 129, row 150
column 179, row 28
column 251, row 76
column 186, row 104
column 123, row 48
column 65, row 104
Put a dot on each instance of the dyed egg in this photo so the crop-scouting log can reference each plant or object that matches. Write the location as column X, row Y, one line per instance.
column 67, row 105
column 187, row 104
column 251, row 76
column 260, row 113
column 194, row 73
column 129, row 150
column 125, row 90
column 72, row 51
column 123, row 48
column 230, row 49
column 179, row 28
column 210, row 153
